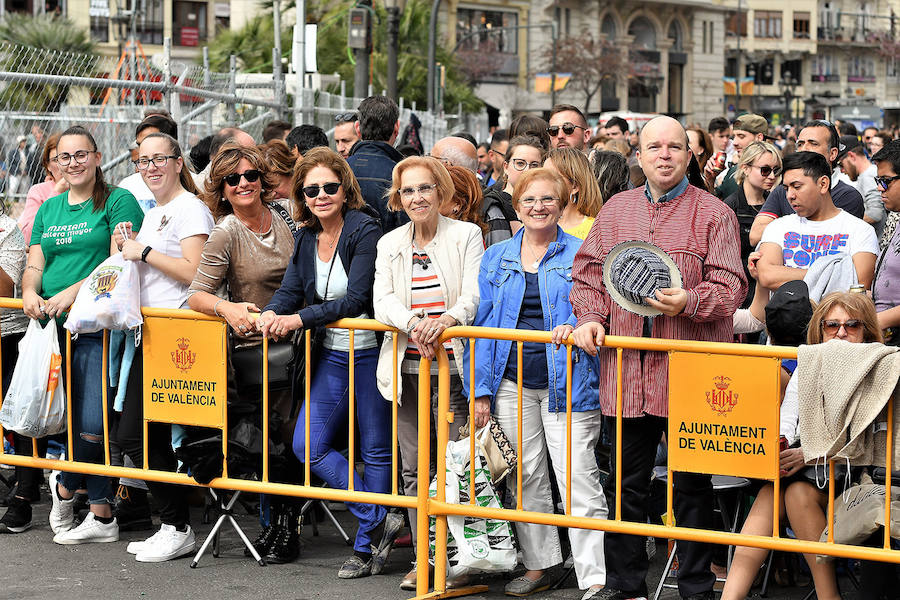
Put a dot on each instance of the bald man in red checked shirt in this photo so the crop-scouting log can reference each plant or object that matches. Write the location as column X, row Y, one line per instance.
column 701, row 235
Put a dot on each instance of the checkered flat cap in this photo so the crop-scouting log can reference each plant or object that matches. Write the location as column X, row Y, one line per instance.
column 637, row 273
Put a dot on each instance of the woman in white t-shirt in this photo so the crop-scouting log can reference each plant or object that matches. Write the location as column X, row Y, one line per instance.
column 167, row 250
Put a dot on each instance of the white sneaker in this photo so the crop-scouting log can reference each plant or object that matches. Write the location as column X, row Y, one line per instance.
column 166, row 544
column 62, row 513
column 90, row 530
column 136, row 547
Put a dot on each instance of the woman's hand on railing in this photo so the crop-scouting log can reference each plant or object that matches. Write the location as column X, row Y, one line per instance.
column 482, row 411
column 277, row 326
column 561, row 333
column 60, row 303
column 237, row 314
column 588, row 337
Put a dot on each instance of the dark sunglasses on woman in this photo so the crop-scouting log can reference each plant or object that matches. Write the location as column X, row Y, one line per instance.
column 312, row 191
column 234, row 179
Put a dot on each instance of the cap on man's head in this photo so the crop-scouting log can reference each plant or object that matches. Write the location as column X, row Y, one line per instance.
column 788, row 314
column 848, row 143
column 752, row 123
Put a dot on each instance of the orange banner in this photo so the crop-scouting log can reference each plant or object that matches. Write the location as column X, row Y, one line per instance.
column 716, row 424
column 184, row 371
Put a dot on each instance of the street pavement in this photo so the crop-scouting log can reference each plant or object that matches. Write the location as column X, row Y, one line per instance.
column 32, row 566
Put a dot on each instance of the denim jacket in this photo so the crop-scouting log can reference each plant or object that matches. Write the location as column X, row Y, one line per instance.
column 501, row 284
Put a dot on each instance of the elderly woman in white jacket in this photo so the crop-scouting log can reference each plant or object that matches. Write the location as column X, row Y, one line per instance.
column 426, row 279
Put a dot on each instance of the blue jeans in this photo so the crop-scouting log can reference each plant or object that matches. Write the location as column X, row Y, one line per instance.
column 328, row 416
column 87, row 416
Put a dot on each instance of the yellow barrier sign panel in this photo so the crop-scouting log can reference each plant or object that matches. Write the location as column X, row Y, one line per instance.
column 724, row 414
column 184, row 371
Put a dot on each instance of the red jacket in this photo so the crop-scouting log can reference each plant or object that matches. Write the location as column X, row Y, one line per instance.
column 701, row 235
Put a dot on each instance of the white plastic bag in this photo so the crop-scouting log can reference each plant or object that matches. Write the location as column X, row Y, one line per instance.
column 473, row 544
column 110, row 298
column 35, row 404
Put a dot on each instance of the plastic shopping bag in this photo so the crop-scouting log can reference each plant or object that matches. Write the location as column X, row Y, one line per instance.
column 110, row 298
column 473, row 544
column 35, row 404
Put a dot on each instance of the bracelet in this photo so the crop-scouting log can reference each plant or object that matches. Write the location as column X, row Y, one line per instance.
column 216, row 306
column 414, row 325
column 144, row 254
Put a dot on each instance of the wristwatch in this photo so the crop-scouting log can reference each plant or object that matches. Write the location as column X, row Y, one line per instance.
column 144, row 254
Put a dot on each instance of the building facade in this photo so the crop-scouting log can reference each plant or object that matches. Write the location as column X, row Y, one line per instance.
column 814, row 59
column 672, row 53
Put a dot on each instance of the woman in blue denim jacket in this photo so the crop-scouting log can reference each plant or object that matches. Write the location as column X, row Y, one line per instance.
column 524, row 283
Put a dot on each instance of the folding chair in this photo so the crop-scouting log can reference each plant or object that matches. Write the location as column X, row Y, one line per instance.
column 226, row 513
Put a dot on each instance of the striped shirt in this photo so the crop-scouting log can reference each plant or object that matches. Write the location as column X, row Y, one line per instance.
column 701, row 235
column 426, row 297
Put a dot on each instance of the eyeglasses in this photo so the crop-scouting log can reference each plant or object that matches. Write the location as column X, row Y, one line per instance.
column 159, row 160
column 346, row 118
column 234, row 179
column 568, row 129
column 767, row 170
column 426, row 190
column 80, row 157
column 884, row 183
column 830, row 326
column 520, row 164
column 312, row 191
column 531, row 201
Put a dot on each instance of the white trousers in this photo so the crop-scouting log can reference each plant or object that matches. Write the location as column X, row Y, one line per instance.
column 543, row 431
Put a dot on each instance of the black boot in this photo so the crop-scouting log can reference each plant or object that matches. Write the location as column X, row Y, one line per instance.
column 132, row 509
column 286, row 547
column 263, row 542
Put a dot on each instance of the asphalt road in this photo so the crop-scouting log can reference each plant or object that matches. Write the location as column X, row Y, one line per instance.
column 34, row 567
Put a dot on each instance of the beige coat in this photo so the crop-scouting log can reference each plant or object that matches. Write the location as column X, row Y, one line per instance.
column 455, row 252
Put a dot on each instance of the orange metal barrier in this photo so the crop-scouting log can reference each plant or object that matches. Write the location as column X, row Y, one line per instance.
column 438, row 507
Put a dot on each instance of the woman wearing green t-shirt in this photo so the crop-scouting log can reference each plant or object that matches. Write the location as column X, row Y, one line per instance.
column 72, row 234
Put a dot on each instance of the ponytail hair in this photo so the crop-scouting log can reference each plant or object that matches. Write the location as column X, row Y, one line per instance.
column 101, row 190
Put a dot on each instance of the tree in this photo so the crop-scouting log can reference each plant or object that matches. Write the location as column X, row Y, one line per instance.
column 253, row 44
column 42, row 44
column 591, row 62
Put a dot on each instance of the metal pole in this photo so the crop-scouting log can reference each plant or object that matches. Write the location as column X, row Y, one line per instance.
column 298, row 54
column 361, row 71
column 278, row 81
column 232, row 90
column 392, row 67
column 737, row 75
column 554, row 38
column 167, row 73
column 276, row 25
column 207, row 83
column 432, row 52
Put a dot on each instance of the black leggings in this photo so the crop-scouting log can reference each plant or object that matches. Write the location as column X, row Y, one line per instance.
column 129, row 433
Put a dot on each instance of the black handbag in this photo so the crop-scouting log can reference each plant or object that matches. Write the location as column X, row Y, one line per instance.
column 247, row 363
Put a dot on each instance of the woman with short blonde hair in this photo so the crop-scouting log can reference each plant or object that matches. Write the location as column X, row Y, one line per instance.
column 583, row 201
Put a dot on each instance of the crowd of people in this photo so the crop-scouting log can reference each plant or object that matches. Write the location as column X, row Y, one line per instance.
column 732, row 232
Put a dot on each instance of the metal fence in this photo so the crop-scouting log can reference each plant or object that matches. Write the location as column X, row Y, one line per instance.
column 43, row 91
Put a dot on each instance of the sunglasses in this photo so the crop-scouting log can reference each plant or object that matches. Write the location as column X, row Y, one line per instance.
column 830, row 326
column 568, row 129
column 234, row 179
column 766, row 170
column 346, row 117
column 312, row 191
column 884, row 183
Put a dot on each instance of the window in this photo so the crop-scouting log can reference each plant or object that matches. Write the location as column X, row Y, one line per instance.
column 608, row 28
column 149, row 20
column 767, row 24
column 893, row 68
column 825, row 68
column 563, row 18
column 644, row 34
column 469, row 20
column 861, row 69
column 736, row 24
column 801, row 25
column 189, row 22
column 675, row 37
column 223, row 16
column 98, row 11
